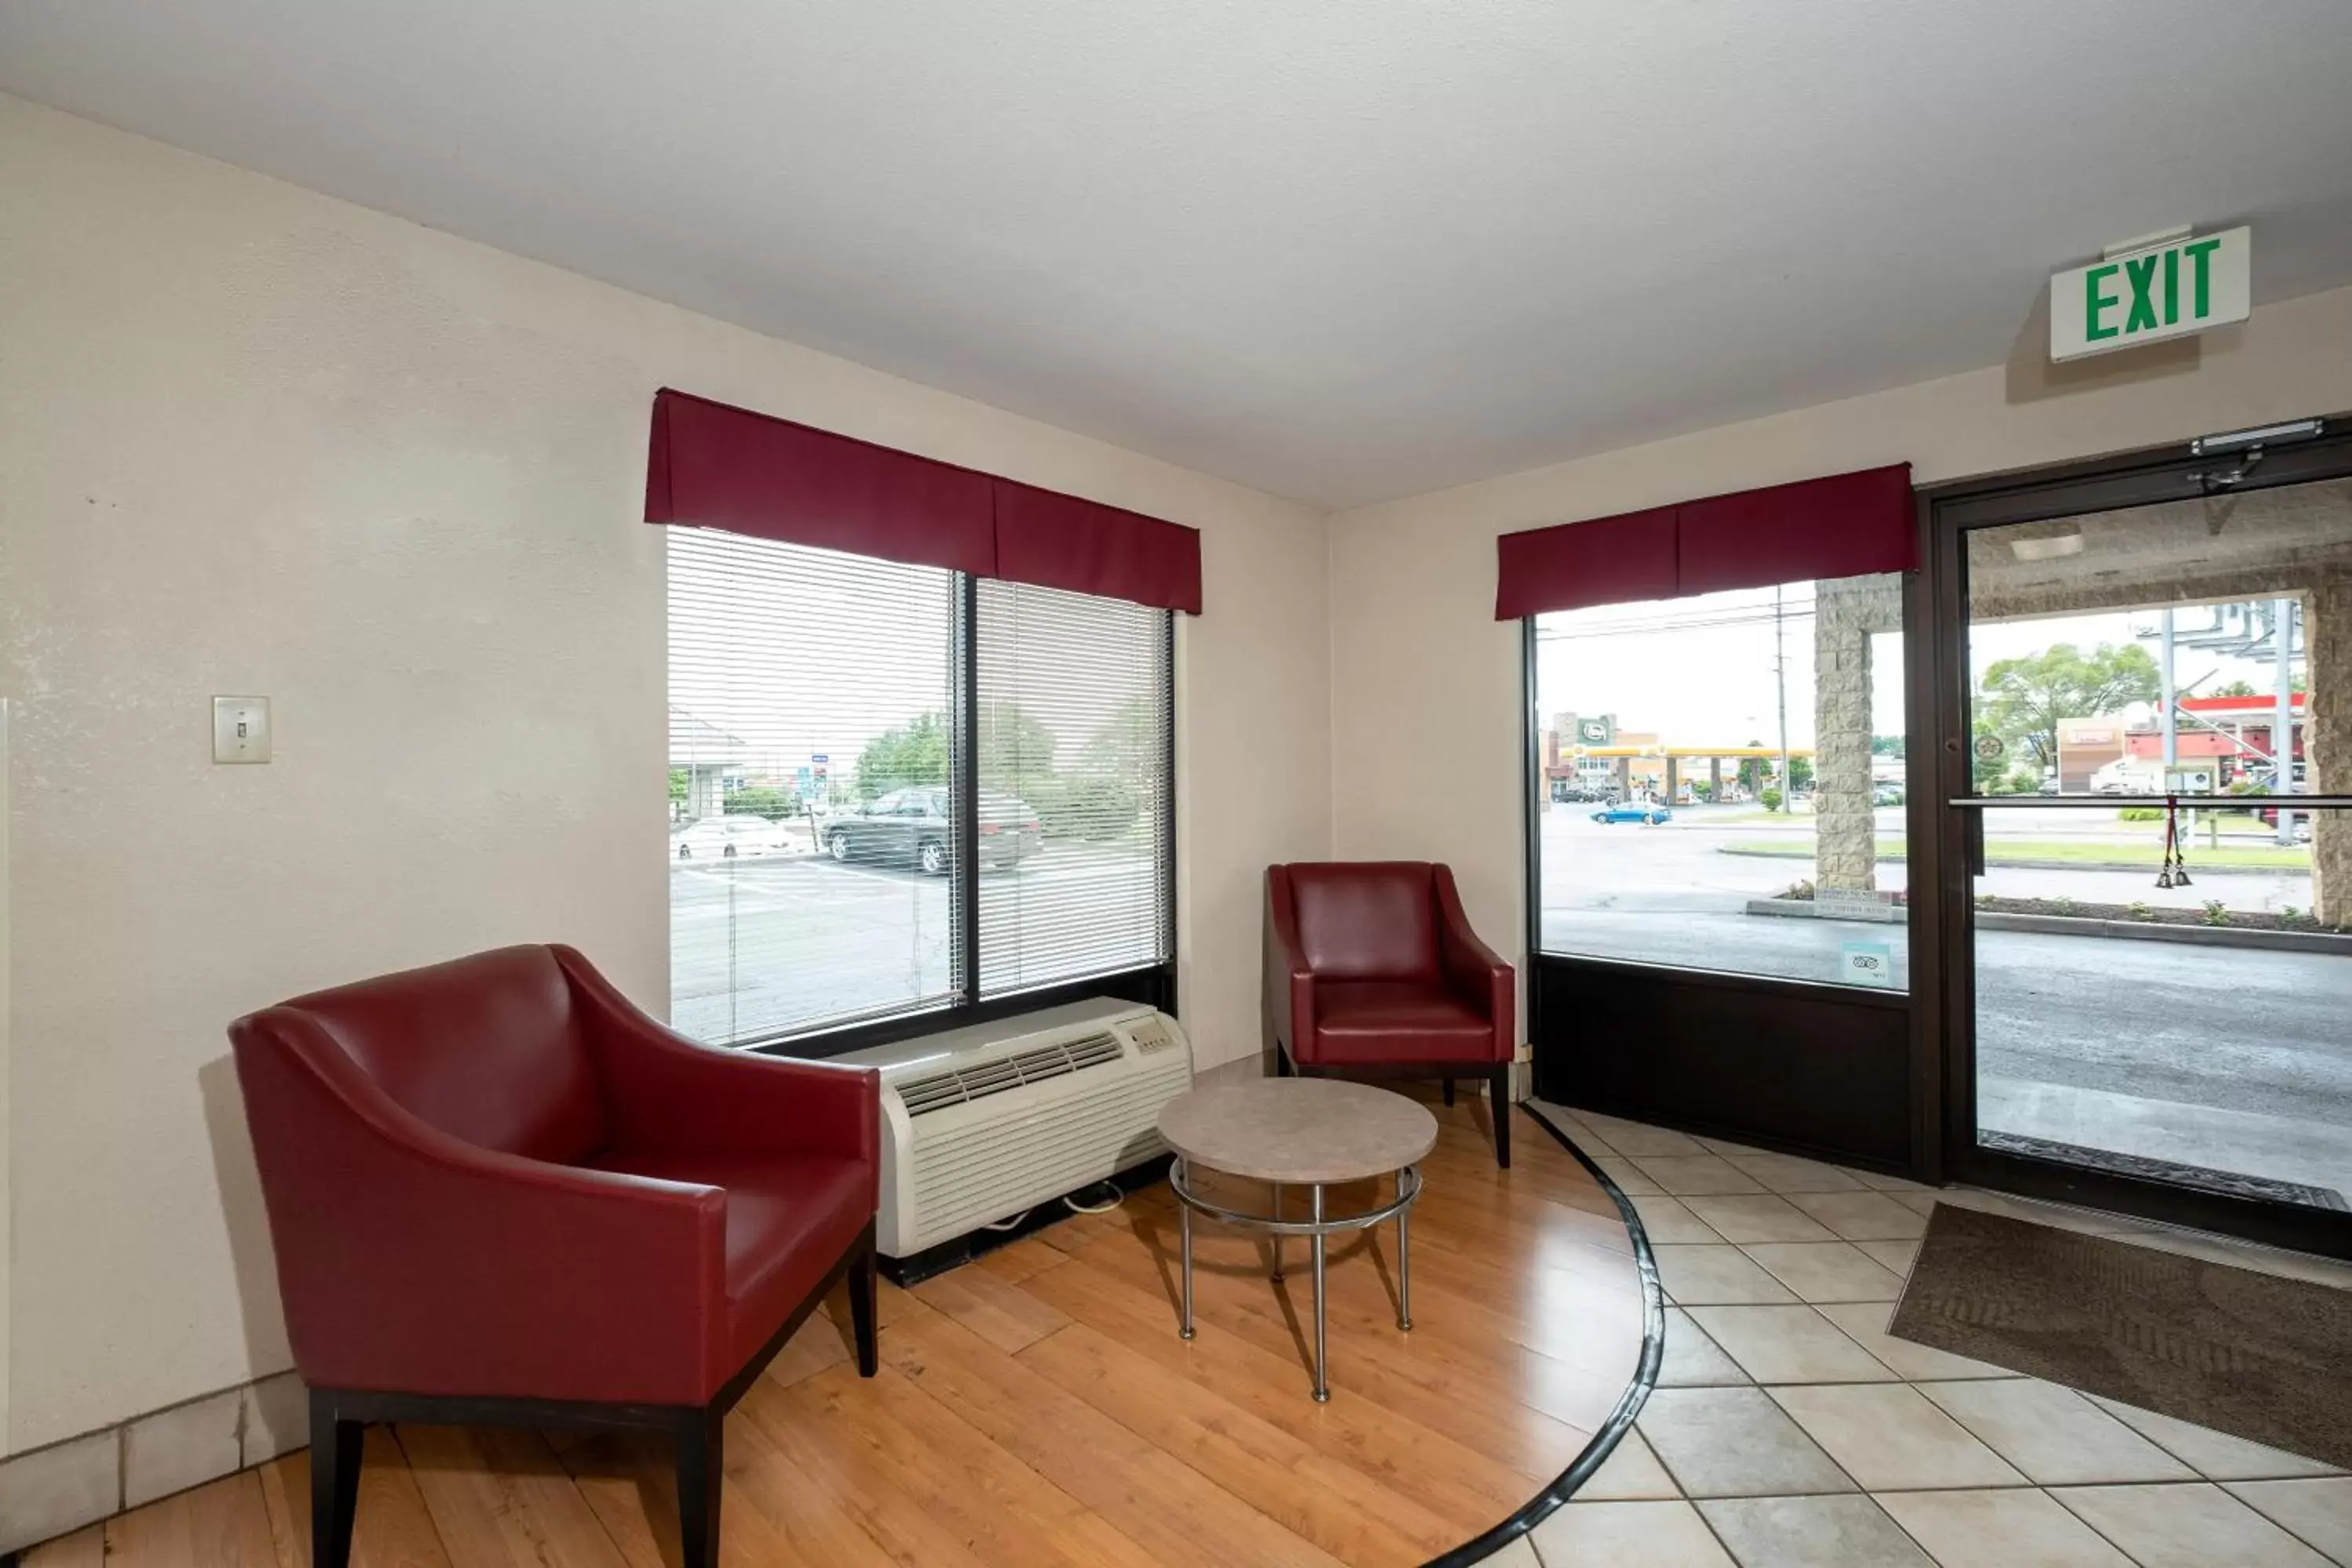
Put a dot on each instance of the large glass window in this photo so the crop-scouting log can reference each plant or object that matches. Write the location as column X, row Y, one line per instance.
column 1072, row 748
column 1722, row 781
column 818, row 755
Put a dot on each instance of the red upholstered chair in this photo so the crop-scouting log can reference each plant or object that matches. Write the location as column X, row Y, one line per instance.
column 1372, row 971
column 501, row 1194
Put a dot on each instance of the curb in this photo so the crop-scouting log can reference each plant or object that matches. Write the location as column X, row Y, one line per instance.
column 2130, row 930
column 2056, row 865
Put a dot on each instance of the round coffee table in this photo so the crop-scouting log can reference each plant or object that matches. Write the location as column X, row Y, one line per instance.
column 1301, row 1132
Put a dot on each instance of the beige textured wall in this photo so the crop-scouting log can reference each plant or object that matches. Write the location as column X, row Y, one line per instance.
column 254, row 440
column 1426, row 685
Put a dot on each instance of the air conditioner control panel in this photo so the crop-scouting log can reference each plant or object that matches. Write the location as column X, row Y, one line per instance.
column 1152, row 1035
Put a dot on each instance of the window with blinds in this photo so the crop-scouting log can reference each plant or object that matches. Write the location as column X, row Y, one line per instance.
column 1071, row 733
column 835, row 787
column 813, row 755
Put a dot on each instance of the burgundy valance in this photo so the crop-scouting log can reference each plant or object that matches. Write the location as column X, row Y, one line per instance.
column 712, row 465
column 715, row 466
column 1842, row 526
column 1061, row 542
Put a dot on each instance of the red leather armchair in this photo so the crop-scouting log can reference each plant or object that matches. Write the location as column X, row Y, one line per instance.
column 1371, row 970
column 498, row 1194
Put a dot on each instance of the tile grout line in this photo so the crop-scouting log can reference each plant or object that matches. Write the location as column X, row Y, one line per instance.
column 2201, row 1477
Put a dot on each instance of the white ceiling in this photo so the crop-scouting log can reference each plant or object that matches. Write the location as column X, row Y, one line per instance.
column 1339, row 250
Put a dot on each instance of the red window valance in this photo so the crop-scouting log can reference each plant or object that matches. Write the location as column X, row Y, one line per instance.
column 1842, row 526
column 712, row 465
column 1061, row 542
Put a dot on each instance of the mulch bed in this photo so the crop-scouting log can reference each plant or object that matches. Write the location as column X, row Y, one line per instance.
column 2153, row 914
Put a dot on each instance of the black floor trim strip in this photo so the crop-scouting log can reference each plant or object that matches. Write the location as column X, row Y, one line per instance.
column 1629, row 1405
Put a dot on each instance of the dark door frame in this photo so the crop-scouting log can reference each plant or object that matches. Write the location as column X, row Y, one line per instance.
column 1943, row 974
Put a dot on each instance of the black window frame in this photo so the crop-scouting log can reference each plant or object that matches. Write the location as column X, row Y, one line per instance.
column 1152, row 986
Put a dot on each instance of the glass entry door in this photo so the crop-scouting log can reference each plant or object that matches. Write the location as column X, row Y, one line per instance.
column 2156, row 963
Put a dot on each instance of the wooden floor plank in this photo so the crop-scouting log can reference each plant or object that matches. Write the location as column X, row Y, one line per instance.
column 85, row 1548
column 390, row 1528
column 501, row 1497
column 808, row 1524
column 993, row 1308
column 1407, row 1373
column 1036, row 1409
column 223, row 1524
column 1315, row 1497
column 820, row 1344
column 1150, row 1496
column 1470, row 1489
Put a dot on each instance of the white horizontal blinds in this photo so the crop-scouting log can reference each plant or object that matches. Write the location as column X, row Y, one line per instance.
column 806, row 688
column 1073, row 744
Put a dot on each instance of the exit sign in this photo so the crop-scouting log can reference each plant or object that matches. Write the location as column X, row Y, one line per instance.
column 2145, row 294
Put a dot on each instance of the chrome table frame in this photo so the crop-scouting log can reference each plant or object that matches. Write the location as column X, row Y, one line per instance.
column 1317, row 1229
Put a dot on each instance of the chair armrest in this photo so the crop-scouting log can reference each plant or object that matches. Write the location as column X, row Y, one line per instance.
column 665, row 1092
column 1473, row 971
column 413, row 1262
column 1289, row 982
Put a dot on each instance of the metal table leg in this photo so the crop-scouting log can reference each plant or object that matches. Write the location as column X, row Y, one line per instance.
column 1186, row 1332
column 1404, row 1263
column 1276, row 1276
column 1322, row 1385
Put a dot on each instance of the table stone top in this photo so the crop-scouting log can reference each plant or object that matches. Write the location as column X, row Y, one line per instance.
column 1302, row 1130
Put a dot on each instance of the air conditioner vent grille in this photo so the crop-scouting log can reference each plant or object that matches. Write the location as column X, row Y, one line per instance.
column 961, row 1086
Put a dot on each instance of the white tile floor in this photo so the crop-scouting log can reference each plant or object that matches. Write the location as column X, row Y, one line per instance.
column 1790, row 1430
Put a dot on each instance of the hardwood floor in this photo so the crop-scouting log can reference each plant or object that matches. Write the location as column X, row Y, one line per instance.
column 1037, row 1408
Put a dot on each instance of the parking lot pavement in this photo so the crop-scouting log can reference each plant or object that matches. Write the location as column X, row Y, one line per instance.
column 759, row 945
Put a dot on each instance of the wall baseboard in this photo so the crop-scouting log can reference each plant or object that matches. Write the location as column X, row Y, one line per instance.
column 61, row 1487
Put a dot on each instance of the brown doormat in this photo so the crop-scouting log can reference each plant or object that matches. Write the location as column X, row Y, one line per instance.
column 2241, row 1352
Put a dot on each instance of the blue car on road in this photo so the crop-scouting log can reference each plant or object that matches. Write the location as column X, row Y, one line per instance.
column 1633, row 810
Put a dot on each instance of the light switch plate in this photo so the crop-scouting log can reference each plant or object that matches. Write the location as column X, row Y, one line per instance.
column 240, row 729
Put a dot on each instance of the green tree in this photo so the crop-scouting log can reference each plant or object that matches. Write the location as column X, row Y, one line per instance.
column 1801, row 773
column 678, row 786
column 2025, row 698
column 1886, row 745
column 916, row 753
column 1751, row 771
column 2237, row 689
column 1015, row 747
column 759, row 800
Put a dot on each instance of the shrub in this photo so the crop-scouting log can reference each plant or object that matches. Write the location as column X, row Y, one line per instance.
column 2216, row 913
column 2063, row 906
column 2139, row 911
column 1771, row 799
column 2140, row 814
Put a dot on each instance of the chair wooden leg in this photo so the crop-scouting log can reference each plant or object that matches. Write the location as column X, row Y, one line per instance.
column 335, row 1450
column 701, row 1468
column 861, row 1311
column 1449, row 1093
column 1498, row 1111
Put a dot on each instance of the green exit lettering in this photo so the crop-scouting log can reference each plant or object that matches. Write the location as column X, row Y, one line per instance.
column 2145, row 291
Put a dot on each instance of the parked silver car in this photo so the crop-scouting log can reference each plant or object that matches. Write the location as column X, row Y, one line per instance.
column 730, row 838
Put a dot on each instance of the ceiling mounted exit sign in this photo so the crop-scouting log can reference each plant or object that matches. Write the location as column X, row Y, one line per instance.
column 2150, row 290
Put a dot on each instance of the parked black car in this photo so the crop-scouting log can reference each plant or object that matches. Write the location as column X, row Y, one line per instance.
column 914, row 827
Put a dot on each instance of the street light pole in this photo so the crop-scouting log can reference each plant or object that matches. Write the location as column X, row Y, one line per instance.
column 2282, row 713
column 1780, row 679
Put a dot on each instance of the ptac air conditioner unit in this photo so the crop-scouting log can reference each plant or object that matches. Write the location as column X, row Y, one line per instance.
column 981, row 1123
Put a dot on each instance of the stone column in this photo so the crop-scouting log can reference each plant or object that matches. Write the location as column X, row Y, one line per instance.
column 2327, row 744
column 1846, row 611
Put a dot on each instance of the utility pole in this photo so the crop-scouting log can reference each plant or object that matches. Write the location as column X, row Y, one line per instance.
column 2282, row 713
column 2172, row 730
column 1780, row 679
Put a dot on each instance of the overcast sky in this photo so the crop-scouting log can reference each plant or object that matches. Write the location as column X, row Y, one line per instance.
column 1700, row 671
